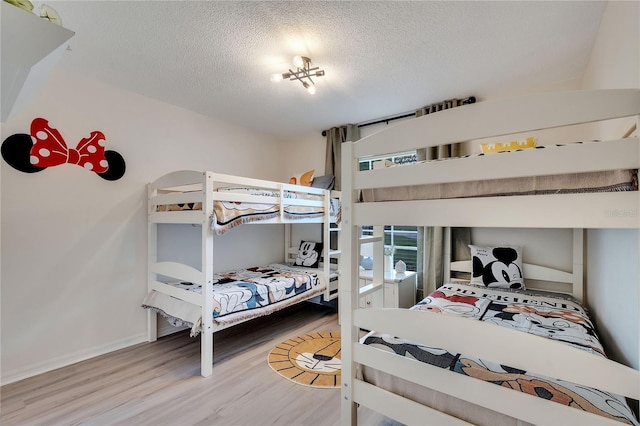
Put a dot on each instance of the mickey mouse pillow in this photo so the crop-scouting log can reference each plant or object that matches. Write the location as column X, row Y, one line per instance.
column 497, row 267
column 309, row 254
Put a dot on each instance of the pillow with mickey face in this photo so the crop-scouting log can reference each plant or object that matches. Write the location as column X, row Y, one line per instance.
column 309, row 254
column 497, row 267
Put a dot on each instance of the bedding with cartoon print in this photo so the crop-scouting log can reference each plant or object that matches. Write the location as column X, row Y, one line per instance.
column 553, row 316
column 257, row 287
column 239, row 294
column 229, row 214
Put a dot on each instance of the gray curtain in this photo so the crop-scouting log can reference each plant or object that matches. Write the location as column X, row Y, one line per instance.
column 335, row 137
column 431, row 238
column 441, row 151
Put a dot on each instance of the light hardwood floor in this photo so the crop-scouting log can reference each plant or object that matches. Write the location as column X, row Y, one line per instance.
column 159, row 383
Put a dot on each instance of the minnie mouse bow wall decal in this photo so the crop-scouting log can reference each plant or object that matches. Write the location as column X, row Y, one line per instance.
column 45, row 147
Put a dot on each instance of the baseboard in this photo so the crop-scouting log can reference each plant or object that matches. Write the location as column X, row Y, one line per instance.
column 68, row 359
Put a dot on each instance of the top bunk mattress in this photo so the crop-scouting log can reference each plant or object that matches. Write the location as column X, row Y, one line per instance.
column 601, row 181
column 229, row 214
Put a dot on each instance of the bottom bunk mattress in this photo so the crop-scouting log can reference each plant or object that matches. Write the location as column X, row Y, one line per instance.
column 553, row 316
column 240, row 295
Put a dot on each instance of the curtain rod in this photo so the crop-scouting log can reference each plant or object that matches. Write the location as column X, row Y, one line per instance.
column 386, row 120
column 469, row 100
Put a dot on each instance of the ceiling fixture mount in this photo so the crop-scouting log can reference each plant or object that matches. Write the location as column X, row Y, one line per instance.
column 303, row 73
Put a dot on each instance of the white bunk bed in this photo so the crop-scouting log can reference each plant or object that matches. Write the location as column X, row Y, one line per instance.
column 202, row 198
column 575, row 210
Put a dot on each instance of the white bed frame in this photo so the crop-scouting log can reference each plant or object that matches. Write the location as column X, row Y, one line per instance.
column 595, row 210
column 201, row 187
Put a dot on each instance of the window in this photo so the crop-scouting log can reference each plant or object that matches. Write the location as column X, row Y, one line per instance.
column 403, row 238
column 402, row 158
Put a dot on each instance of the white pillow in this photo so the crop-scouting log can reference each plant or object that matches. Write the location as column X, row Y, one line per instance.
column 497, row 267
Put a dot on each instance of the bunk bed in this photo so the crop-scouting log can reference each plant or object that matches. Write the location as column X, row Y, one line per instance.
column 208, row 300
column 398, row 386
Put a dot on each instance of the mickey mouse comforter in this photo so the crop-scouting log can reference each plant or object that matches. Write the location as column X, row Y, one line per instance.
column 240, row 294
column 552, row 316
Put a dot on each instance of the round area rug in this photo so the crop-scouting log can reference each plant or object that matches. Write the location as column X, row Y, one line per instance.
column 312, row 359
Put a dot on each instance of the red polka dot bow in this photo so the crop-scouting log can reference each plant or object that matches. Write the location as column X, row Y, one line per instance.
column 49, row 149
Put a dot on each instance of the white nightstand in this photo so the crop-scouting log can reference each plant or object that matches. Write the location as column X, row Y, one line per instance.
column 399, row 290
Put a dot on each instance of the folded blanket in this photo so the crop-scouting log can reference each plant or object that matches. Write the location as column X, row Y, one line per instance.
column 228, row 214
column 607, row 181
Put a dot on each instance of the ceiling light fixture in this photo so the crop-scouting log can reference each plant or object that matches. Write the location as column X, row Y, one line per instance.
column 303, row 73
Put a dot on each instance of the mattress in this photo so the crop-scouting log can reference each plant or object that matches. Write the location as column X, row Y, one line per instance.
column 227, row 214
column 604, row 181
column 240, row 294
column 548, row 315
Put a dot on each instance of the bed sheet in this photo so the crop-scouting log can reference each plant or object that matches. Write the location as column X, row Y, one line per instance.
column 240, row 294
column 552, row 316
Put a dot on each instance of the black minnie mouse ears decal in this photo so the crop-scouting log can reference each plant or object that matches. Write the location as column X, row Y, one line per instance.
column 45, row 147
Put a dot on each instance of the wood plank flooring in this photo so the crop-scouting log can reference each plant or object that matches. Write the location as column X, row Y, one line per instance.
column 159, row 383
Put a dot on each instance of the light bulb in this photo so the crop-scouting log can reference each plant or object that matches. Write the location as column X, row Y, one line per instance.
column 311, row 88
column 276, row 77
column 298, row 61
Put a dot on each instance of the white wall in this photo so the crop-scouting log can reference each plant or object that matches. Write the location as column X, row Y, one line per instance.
column 304, row 153
column 612, row 290
column 615, row 58
column 74, row 245
column 613, row 277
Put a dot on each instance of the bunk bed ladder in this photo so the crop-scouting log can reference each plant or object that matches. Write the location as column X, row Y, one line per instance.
column 377, row 241
column 329, row 253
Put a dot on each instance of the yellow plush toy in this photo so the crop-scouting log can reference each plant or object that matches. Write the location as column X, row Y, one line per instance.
column 489, row 148
column 303, row 179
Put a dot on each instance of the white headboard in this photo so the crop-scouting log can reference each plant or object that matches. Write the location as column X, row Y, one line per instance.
column 534, row 272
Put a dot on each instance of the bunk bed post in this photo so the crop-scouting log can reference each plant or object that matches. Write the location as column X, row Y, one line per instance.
column 578, row 266
column 152, row 258
column 379, row 259
column 326, row 248
column 349, row 289
column 206, row 341
column 447, row 254
column 287, row 241
column 332, row 292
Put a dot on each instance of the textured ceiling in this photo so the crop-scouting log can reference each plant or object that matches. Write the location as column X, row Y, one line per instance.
column 380, row 58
